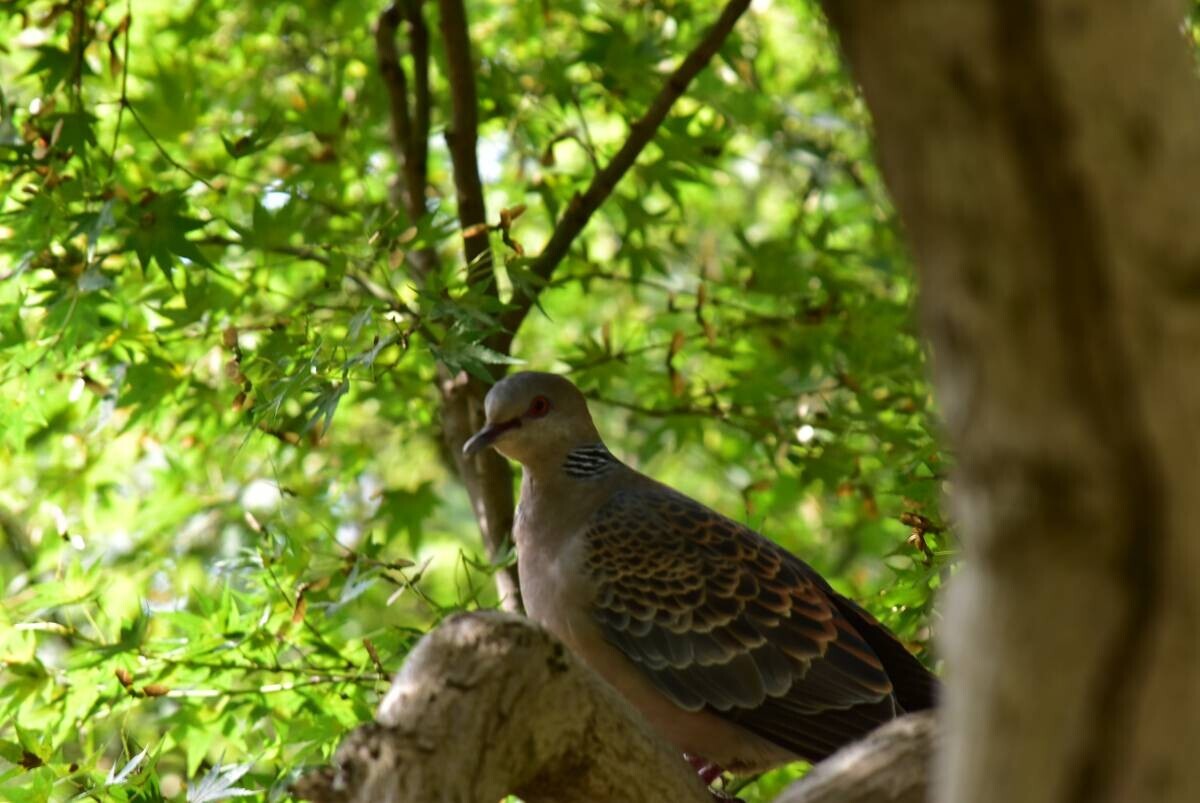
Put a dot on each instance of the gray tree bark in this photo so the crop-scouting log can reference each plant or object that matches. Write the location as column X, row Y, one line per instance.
column 891, row 765
column 489, row 704
column 1044, row 156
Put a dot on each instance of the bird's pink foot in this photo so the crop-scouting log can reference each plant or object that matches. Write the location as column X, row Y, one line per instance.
column 708, row 771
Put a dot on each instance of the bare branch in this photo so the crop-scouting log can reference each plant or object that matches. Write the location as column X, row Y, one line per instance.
column 582, row 207
column 410, row 127
column 419, row 139
column 395, row 81
column 461, row 138
column 488, row 477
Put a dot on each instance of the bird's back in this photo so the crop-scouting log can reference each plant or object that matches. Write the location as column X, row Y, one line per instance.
column 720, row 619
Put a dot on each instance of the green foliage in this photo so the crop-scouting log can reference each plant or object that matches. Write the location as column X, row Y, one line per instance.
column 227, row 513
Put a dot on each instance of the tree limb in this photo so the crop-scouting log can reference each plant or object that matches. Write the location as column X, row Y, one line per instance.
column 889, row 765
column 395, row 82
column 582, row 207
column 489, row 704
column 488, row 478
column 410, row 127
column 419, row 147
column 461, row 137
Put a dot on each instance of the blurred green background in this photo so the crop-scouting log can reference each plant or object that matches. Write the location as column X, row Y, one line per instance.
column 227, row 510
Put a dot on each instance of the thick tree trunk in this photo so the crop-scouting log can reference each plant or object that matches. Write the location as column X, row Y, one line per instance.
column 1044, row 156
column 490, row 704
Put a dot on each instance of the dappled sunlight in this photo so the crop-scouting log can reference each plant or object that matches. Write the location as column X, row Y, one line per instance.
column 232, row 330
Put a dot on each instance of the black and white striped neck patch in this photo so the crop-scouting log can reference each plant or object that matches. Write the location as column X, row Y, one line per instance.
column 589, row 461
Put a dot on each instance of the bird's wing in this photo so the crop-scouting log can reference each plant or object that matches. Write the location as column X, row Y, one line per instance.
column 722, row 619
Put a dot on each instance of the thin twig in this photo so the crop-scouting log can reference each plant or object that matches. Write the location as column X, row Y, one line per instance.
column 586, row 141
column 128, row 23
column 298, row 251
column 312, row 630
column 274, row 688
column 748, row 424
column 312, row 670
column 394, row 303
column 137, row 118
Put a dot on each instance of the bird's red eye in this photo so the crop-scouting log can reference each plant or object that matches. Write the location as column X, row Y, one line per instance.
column 539, row 406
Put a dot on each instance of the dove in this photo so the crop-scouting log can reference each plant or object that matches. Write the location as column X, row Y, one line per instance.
column 734, row 650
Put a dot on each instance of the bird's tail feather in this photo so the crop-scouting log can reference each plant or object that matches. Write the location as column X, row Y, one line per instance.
column 915, row 687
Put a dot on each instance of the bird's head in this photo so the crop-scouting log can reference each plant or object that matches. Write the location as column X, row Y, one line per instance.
column 534, row 417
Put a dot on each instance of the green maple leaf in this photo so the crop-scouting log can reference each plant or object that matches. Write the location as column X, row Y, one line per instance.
column 158, row 229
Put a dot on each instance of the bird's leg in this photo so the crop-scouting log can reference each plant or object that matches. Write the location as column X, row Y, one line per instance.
column 709, row 772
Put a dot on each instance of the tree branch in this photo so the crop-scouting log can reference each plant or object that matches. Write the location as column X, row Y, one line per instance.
column 582, row 207
column 395, row 81
column 409, row 141
column 410, row 127
column 488, row 477
column 490, row 704
column 889, row 765
column 461, row 138
column 419, row 139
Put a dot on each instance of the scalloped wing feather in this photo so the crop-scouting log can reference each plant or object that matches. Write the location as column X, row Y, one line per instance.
column 720, row 618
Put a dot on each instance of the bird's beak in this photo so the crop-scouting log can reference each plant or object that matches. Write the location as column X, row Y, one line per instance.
column 487, row 436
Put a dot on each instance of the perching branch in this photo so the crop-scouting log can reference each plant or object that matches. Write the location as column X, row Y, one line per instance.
column 889, row 765
column 582, row 207
column 489, row 704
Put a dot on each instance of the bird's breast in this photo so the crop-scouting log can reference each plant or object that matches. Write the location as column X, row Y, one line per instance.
column 554, row 588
